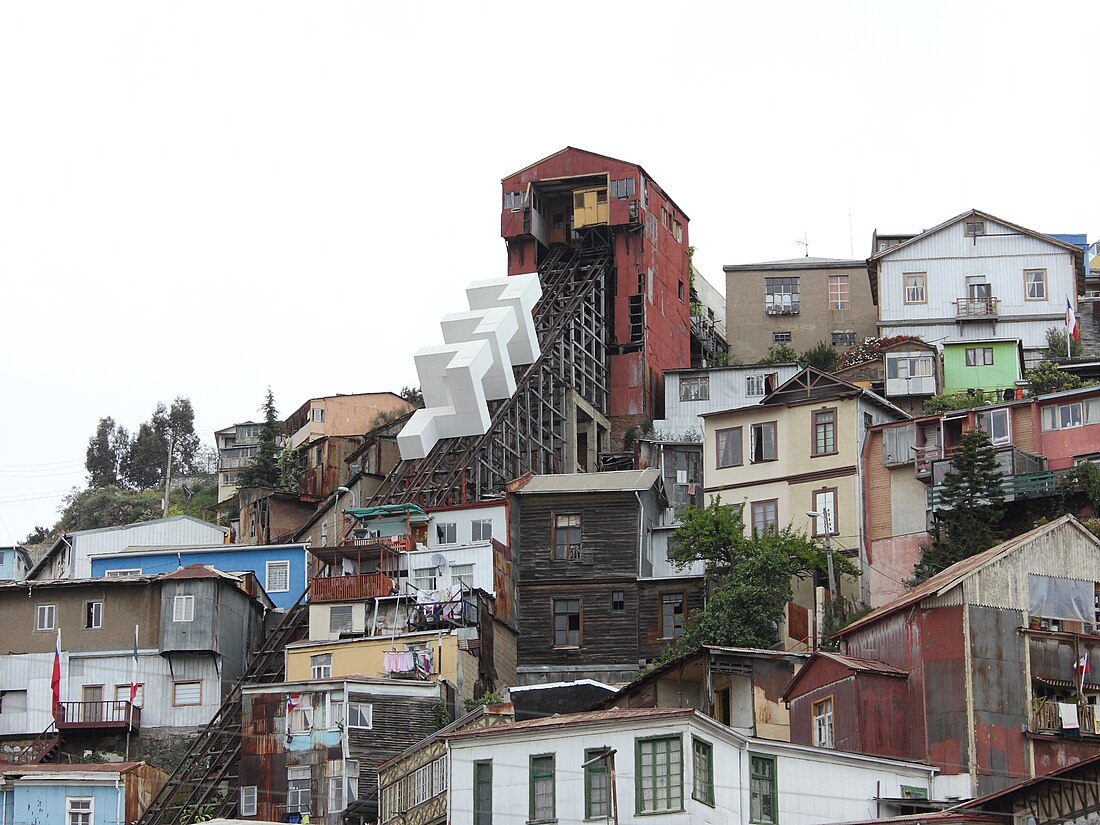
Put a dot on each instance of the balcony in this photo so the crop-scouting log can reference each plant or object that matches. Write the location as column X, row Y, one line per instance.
column 1018, row 486
column 109, row 715
column 1047, row 718
column 975, row 309
column 349, row 588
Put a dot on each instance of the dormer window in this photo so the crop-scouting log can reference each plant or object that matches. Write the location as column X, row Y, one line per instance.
column 975, row 228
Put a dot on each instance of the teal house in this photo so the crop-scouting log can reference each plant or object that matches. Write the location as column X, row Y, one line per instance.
column 96, row 793
column 988, row 366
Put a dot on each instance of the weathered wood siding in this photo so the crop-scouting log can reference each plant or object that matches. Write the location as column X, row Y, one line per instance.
column 397, row 723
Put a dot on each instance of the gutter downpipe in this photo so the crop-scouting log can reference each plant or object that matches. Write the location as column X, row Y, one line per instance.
column 118, row 801
column 641, row 528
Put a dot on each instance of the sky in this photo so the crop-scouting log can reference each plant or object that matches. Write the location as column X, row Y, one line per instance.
column 208, row 199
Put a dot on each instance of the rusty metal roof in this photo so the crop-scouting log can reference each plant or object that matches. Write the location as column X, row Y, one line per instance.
column 592, row 717
column 76, row 767
column 857, row 665
column 200, row 571
column 614, row 481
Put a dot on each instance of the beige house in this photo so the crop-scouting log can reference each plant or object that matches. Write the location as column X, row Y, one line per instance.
column 798, row 452
column 342, row 415
column 797, row 302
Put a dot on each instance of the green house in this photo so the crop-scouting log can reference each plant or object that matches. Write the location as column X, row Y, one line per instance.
column 988, row 366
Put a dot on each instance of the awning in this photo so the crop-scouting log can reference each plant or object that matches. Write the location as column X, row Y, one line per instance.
column 387, row 510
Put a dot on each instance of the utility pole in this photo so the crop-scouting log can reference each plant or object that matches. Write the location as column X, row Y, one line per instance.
column 168, row 474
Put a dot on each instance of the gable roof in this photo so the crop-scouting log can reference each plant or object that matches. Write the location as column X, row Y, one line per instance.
column 960, row 571
column 1076, row 251
column 809, row 385
column 613, row 481
column 591, row 717
column 849, row 662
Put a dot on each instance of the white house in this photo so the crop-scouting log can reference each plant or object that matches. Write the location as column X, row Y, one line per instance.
column 976, row 276
column 625, row 764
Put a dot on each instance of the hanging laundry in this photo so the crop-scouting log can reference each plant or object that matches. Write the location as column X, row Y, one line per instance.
column 1067, row 712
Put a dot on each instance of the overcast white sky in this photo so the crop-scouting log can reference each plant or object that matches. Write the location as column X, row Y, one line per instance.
column 208, row 198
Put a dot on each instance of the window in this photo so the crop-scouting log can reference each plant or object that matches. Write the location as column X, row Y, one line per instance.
column 781, row 337
column 360, row 715
column 340, row 618
column 763, row 446
column 695, row 389
column 824, row 442
column 93, row 615
column 979, row 356
column 121, row 573
column 622, row 188
column 122, row 694
column 320, row 666
column 844, row 338
column 567, row 537
column 186, row 693
column 542, row 788
column 978, row 288
column 183, row 608
column 298, row 781
column 825, row 505
column 481, row 529
column 659, row 774
column 567, row 622
column 446, row 533
column 678, row 231
column 318, row 415
column 318, row 456
column 729, row 447
column 1077, row 414
column 513, row 201
column 762, row 801
column 248, row 801
column 672, row 615
column 463, row 574
column 424, row 577
column 915, row 292
column 995, row 424
column 483, row 792
column 336, row 787
column 909, row 366
column 838, row 292
column 597, row 791
column 781, row 296
column 79, row 810
column 761, row 384
column 823, row 722
column 618, row 601
column 702, row 763
column 680, row 291
column 765, row 516
column 1035, row 284
column 45, row 617
column 278, row 577
column 974, row 228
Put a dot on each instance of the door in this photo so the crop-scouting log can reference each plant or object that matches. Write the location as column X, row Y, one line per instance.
column 92, row 709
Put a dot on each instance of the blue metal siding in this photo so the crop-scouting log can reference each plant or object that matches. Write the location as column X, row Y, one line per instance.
column 224, row 558
column 44, row 804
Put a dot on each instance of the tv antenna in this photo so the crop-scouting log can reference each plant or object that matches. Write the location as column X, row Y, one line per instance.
column 805, row 244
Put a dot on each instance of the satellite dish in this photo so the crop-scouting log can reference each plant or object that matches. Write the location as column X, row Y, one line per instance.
column 439, row 560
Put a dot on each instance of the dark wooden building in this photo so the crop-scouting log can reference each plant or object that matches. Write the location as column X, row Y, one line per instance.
column 598, row 597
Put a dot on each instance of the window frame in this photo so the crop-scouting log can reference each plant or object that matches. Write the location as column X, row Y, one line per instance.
column 554, row 613
column 774, row 502
column 483, row 778
column 665, row 604
column 822, row 725
column 618, row 601
column 989, row 415
column 782, row 337
column 704, row 794
column 671, row 780
column 694, row 388
column 276, row 564
column 727, row 433
column 51, row 611
column 834, row 526
column 596, row 767
column 772, row 781
column 175, row 686
column 1027, row 284
column 122, row 694
column 365, row 713
column 477, row 529
column 534, row 776
column 567, row 551
column 970, row 356
column 843, row 338
column 79, row 816
column 350, row 624
column 183, row 607
column 305, row 774
column 910, row 288
column 762, row 427
column 320, row 670
column 815, row 450
column 839, row 299
column 248, row 802
column 446, row 533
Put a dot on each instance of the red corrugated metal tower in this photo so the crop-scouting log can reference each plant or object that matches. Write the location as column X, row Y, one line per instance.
column 582, row 198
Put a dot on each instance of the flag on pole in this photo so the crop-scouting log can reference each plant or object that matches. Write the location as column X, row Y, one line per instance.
column 55, row 679
column 1071, row 321
column 1082, row 664
column 133, row 669
column 292, row 701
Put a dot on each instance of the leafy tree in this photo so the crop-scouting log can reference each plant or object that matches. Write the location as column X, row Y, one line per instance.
column 871, row 349
column 780, row 354
column 98, row 507
column 147, row 459
column 264, row 469
column 148, row 455
column 37, row 535
column 290, row 464
column 1057, row 344
column 107, row 455
column 1046, row 377
column 750, row 577
column 413, row 395
column 821, row 356
column 970, row 506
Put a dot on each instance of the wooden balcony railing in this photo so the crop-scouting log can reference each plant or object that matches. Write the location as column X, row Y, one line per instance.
column 349, row 588
column 976, row 308
column 97, row 715
column 1046, row 718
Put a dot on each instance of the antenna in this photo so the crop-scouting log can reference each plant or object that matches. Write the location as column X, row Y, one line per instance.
column 805, row 243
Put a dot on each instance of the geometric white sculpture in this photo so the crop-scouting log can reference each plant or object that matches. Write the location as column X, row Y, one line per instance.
column 474, row 364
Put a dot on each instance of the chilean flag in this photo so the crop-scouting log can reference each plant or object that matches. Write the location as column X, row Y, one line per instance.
column 292, row 701
column 1083, row 665
column 133, row 669
column 1071, row 321
column 55, row 679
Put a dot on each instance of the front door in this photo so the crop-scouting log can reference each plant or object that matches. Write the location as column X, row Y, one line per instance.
column 92, row 709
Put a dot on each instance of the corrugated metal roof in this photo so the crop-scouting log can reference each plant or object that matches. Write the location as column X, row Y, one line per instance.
column 81, row 767
column 592, row 717
column 200, row 571
column 956, row 573
column 614, row 481
column 850, row 662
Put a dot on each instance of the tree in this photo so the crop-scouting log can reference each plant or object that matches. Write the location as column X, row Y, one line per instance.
column 264, row 469
column 1047, row 377
column 98, row 507
column 750, row 576
column 37, row 535
column 148, row 456
column 290, row 464
column 413, row 395
column 822, row 357
column 970, row 505
column 1057, row 343
column 107, row 455
column 780, row 354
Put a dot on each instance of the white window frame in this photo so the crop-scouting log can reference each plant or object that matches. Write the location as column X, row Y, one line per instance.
column 79, row 810
column 93, row 615
column 360, row 715
column 120, row 572
column 465, row 577
column 1054, row 415
column 249, row 800
column 824, row 501
column 450, row 529
column 183, row 608
column 823, row 722
column 299, row 799
column 986, row 420
column 320, row 669
column 272, row 567
column 175, row 693
column 45, row 617
column 1028, row 284
column 478, row 527
column 424, row 578
column 915, row 287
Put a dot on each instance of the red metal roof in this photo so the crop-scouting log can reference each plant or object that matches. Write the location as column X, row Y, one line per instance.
column 850, row 662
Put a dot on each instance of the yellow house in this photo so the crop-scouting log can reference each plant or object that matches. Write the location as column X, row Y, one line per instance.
column 794, row 455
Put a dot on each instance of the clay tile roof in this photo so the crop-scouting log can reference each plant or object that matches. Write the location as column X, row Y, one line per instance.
column 592, row 717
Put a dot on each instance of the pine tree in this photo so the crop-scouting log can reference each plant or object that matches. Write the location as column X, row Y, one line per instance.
column 264, row 469
column 969, row 507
